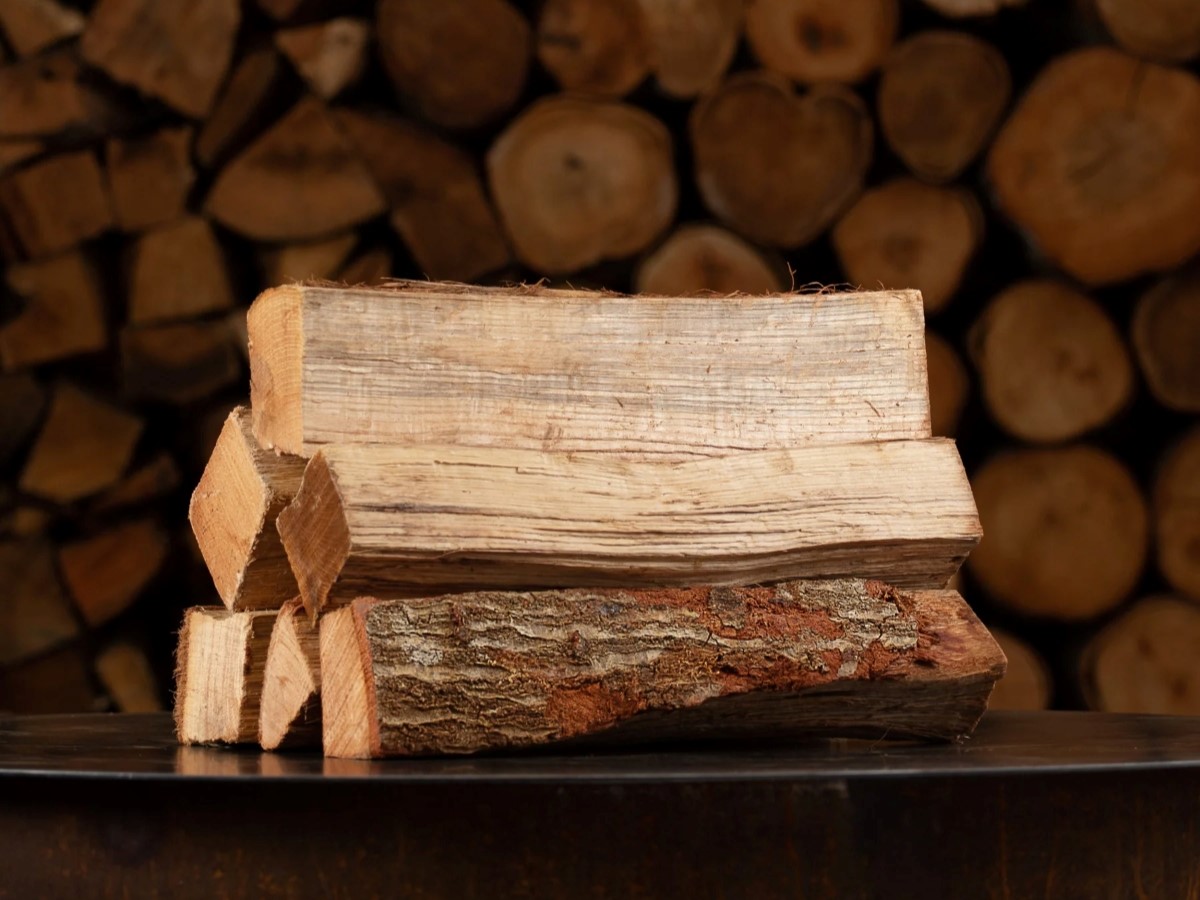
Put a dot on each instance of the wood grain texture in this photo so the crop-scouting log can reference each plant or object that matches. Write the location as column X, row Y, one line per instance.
column 577, row 370
column 219, row 668
column 290, row 714
column 495, row 670
column 233, row 511
column 386, row 521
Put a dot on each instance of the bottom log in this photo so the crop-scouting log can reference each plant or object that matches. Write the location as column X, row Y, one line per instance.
column 290, row 715
column 495, row 670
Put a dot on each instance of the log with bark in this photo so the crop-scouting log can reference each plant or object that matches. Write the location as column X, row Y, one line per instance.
column 299, row 180
column 1166, row 338
column 597, row 47
column 53, row 205
column 577, row 181
column 775, row 166
column 1065, row 532
column 83, row 447
column 1051, row 363
column 1163, row 30
column 178, row 272
column 699, row 259
column 1145, row 660
column 150, row 177
column 178, row 53
column 64, row 311
column 1098, row 164
column 105, row 573
column 522, row 368
column 1176, row 501
column 35, row 614
column 219, row 668
column 941, row 96
column 494, row 670
column 233, row 512
column 1026, row 684
column 814, row 41
column 435, row 192
column 383, row 521
column 459, row 64
column 290, row 712
column 905, row 234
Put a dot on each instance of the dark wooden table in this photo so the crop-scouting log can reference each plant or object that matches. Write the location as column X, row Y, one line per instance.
column 1054, row 805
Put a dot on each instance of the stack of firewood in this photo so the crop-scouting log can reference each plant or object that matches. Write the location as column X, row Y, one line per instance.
column 1029, row 165
column 457, row 519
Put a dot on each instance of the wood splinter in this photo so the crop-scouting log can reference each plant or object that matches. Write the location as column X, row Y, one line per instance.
column 494, row 670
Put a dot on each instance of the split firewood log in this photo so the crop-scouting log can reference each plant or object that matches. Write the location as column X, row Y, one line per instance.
column 150, row 177
column 64, row 311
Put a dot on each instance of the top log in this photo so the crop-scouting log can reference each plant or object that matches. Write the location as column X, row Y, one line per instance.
column 530, row 368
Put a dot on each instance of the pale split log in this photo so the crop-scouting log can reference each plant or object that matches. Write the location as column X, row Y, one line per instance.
column 776, row 166
column 435, row 192
column 179, row 362
column 127, row 676
column 233, row 511
column 83, row 447
column 290, row 714
column 597, row 47
column 905, row 234
column 1026, row 684
column 53, row 205
column 176, row 52
column 579, row 370
column 299, row 180
column 814, row 41
column 1051, row 363
column 692, row 42
column 239, row 108
column 1098, row 165
column 316, row 260
column 493, row 670
column 577, row 181
column 949, row 385
column 1144, row 661
column 63, row 313
column 35, row 614
column 33, row 25
column 1176, row 500
column 105, row 573
column 941, row 96
column 219, row 666
column 150, row 177
column 459, row 64
column 1166, row 337
column 696, row 259
column 384, row 521
column 329, row 56
column 1164, row 30
column 179, row 271
column 1065, row 532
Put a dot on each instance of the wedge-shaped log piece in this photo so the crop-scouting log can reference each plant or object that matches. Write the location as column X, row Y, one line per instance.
column 383, row 521
column 497, row 670
column 233, row 512
column 578, row 370
column 290, row 715
column 219, row 673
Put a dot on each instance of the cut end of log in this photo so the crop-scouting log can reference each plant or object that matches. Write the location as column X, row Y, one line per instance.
column 349, row 728
column 812, row 41
column 315, row 534
column 290, row 715
column 218, row 675
column 598, row 47
column 1166, row 338
column 1177, row 515
column 275, row 331
column 700, row 259
column 232, row 512
column 1026, row 683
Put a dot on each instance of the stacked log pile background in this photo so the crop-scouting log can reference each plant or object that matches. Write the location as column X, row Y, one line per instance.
column 1033, row 168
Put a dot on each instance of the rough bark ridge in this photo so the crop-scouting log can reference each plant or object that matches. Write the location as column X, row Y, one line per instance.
column 497, row 670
